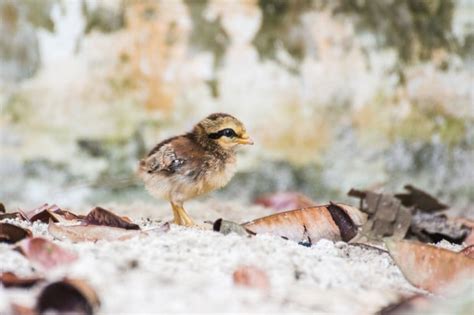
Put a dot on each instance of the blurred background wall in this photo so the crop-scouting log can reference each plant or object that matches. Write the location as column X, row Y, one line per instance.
column 337, row 94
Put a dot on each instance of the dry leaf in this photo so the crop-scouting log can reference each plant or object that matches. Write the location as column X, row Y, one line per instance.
column 341, row 214
column 42, row 213
column 469, row 240
column 44, row 253
column 251, row 277
column 68, row 215
column 285, row 201
column 333, row 222
column 48, row 212
column 101, row 216
column 225, row 227
column 81, row 233
column 9, row 279
column 432, row 228
column 429, row 267
column 9, row 215
column 10, row 233
column 12, row 215
column 387, row 216
column 420, row 200
column 69, row 296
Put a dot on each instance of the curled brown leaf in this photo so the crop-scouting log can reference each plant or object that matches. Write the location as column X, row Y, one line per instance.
column 415, row 197
column 70, row 296
column 68, row 215
column 101, row 216
column 9, row 280
column 10, row 233
column 313, row 223
column 42, row 213
column 47, row 212
column 10, row 215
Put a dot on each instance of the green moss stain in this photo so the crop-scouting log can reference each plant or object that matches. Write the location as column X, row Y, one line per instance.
column 424, row 123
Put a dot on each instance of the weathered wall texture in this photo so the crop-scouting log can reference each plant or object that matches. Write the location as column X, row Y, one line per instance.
column 336, row 93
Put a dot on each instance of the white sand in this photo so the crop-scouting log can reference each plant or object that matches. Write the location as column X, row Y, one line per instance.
column 190, row 270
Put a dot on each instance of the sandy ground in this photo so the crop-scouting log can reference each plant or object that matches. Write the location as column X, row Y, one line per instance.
column 190, row 270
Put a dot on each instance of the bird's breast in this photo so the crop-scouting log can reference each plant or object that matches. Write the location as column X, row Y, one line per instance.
column 220, row 177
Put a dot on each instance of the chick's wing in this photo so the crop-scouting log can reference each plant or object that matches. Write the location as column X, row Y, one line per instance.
column 176, row 155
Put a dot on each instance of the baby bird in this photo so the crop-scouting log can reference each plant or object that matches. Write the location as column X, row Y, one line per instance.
column 189, row 165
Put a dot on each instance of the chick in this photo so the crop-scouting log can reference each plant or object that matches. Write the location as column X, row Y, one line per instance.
column 189, row 165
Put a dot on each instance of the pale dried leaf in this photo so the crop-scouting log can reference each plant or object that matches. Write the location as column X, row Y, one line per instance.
column 312, row 223
column 91, row 233
column 429, row 267
column 44, row 253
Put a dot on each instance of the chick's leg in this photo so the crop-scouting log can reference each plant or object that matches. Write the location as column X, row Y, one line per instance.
column 181, row 217
column 185, row 219
column 177, row 217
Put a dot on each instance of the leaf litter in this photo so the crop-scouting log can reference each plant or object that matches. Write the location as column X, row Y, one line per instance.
column 10, row 279
column 45, row 254
column 101, row 216
column 414, row 214
column 429, row 267
column 71, row 296
column 334, row 221
column 100, row 224
column 91, row 233
column 11, row 233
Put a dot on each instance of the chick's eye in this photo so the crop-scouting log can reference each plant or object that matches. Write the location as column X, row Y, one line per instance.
column 229, row 133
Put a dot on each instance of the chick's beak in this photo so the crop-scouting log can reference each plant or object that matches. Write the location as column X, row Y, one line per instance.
column 245, row 139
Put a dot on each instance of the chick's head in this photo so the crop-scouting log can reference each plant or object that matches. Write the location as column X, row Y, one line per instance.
column 226, row 130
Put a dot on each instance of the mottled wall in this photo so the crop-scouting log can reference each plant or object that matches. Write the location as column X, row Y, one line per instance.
column 336, row 93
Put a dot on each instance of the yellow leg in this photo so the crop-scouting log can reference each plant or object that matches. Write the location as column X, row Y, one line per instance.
column 180, row 215
column 177, row 218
